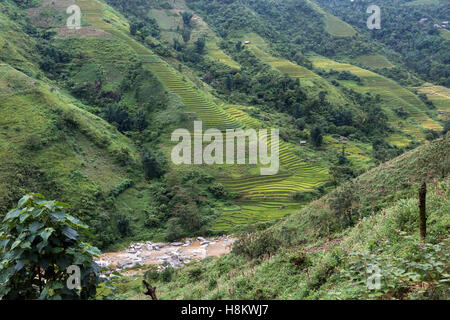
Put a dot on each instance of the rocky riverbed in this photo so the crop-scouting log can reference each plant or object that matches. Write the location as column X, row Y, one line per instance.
column 175, row 254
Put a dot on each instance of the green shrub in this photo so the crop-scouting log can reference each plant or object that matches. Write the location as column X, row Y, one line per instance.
column 38, row 242
column 256, row 245
column 167, row 273
column 195, row 273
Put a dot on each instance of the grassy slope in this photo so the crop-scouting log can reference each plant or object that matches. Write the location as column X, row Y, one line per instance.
column 49, row 141
column 168, row 21
column 334, row 25
column 44, row 132
column 393, row 95
column 302, row 176
column 119, row 48
column 298, row 172
column 314, row 262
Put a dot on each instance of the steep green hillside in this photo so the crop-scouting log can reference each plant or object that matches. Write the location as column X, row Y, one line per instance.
column 325, row 250
column 392, row 94
column 50, row 144
column 142, row 69
column 87, row 115
column 408, row 28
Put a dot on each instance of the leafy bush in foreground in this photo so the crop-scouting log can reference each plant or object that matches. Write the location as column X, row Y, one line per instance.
column 38, row 242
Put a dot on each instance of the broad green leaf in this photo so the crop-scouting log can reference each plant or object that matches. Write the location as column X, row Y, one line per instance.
column 25, row 245
column 70, row 233
column 50, row 205
column 44, row 294
column 24, row 216
column 35, row 226
column 24, row 200
column 12, row 214
column 41, row 245
column 4, row 243
column 58, row 216
column 46, row 233
column 37, row 213
column 15, row 244
column 76, row 221
column 62, row 204
column 19, row 265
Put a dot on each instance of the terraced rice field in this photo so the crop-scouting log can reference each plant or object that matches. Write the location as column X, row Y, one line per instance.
column 440, row 96
column 337, row 27
column 217, row 54
column 398, row 140
column 334, row 25
column 263, row 197
column 238, row 112
column 374, row 61
column 392, row 94
column 312, row 82
column 212, row 115
column 260, row 48
column 352, row 151
column 92, row 12
column 254, row 212
column 169, row 20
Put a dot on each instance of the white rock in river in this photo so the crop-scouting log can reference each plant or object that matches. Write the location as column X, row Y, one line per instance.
column 125, row 264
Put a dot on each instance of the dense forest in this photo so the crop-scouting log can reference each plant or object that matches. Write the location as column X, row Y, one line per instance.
column 414, row 30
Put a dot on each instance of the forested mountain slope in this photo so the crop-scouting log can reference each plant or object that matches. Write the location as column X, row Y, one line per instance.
column 106, row 97
column 413, row 29
column 327, row 249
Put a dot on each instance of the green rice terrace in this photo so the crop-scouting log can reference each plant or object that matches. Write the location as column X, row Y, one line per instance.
column 392, row 94
column 262, row 197
column 100, row 146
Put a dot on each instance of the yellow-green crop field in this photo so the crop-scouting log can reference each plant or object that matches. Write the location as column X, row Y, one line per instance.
column 440, row 96
column 392, row 94
column 374, row 61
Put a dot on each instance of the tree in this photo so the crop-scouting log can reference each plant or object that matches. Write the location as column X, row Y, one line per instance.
column 186, row 34
column 140, row 121
column 446, row 128
column 177, row 45
column 154, row 164
column 342, row 158
column 38, row 242
column 187, row 16
column 316, row 136
column 115, row 114
column 300, row 123
column 123, row 225
column 200, row 45
column 134, row 27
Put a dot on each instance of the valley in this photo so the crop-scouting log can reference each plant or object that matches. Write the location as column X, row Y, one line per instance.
column 88, row 116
